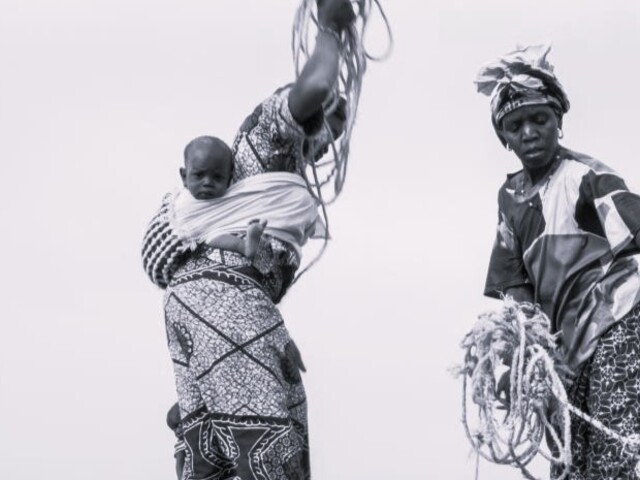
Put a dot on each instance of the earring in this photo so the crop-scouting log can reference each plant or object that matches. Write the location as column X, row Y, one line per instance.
column 508, row 147
column 560, row 133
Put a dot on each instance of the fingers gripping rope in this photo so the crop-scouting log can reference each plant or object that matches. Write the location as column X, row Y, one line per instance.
column 325, row 179
column 509, row 428
column 354, row 58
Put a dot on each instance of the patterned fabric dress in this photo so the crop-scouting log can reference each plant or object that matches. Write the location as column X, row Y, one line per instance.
column 572, row 239
column 237, row 371
column 608, row 388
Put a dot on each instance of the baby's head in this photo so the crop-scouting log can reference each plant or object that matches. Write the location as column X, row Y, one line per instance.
column 208, row 165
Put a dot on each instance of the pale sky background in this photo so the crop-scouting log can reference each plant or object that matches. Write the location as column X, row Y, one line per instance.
column 98, row 99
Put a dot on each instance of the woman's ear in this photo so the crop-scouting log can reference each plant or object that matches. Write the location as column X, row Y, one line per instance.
column 503, row 141
column 559, row 116
column 498, row 129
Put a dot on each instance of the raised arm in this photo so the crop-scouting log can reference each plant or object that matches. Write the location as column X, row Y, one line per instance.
column 321, row 71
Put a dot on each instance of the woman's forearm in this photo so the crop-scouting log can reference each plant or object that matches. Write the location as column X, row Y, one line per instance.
column 317, row 78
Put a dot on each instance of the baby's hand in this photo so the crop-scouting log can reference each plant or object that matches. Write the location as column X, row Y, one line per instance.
column 254, row 234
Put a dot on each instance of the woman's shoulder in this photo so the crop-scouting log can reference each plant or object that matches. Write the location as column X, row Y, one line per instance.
column 511, row 182
column 586, row 162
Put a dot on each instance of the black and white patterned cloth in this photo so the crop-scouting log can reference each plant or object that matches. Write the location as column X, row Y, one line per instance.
column 237, row 371
column 269, row 140
column 607, row 388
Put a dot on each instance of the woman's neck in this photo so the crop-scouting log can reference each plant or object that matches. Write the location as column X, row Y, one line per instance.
column 537, row 175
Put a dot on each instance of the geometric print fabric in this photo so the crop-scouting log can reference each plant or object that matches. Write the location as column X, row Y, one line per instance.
column 237, row 376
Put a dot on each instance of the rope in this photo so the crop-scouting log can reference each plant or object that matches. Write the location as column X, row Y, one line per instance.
column 325, row 179
column 517, row 338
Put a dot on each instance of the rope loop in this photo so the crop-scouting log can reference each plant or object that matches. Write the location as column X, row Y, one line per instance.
column 513, row 372
column 325, row 178
column 516, row 376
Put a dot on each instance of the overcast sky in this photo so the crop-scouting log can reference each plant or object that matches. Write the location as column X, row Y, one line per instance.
column 98, row 99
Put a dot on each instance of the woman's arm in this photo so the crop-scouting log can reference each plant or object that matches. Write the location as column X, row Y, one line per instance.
column 321, row 71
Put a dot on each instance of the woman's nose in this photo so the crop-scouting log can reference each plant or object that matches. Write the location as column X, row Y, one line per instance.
column 529, row 131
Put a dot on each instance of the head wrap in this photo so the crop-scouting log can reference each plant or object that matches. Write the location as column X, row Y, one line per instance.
column 519, row 78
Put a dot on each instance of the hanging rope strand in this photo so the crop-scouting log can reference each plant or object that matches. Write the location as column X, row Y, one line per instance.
column 325, row 179
column 354, row 58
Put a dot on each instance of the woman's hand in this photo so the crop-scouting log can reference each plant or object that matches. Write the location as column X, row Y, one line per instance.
column 335, row 14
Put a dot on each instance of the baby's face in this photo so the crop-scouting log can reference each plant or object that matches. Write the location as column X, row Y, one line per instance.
column 206, row 174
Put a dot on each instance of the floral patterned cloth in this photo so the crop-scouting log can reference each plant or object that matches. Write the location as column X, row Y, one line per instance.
column 607, row 388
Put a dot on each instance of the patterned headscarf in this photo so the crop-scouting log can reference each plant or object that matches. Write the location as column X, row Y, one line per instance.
column 519, row 78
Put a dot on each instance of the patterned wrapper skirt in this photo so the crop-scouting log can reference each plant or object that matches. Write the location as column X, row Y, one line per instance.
column 237, row 374
column 607, row 388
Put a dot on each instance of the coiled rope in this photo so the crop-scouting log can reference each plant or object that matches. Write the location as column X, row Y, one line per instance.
column 325, row 178
column 515, row 375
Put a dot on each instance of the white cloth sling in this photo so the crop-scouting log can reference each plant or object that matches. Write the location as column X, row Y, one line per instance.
column 281, row 198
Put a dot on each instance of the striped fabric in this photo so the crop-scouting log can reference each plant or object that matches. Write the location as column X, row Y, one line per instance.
column 162, row 250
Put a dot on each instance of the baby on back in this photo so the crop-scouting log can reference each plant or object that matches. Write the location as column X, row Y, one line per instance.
column 208, row 166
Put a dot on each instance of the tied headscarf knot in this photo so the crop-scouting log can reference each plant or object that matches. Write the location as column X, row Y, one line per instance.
column 522, row 77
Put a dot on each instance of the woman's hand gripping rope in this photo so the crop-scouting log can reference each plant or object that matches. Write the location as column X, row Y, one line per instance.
column 347, row 21
column 515, row 345
column 513, row 371
column 335, row 14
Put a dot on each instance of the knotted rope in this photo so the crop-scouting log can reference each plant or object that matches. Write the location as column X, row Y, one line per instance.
column 325, row 178
column 516, row 376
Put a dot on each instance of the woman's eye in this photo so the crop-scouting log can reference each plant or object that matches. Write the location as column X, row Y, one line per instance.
column 541, row 119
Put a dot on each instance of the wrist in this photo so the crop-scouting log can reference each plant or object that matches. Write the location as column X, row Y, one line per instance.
column 329, row 31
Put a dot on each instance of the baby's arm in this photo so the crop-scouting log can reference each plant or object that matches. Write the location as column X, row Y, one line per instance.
column 247, row 246
column 229, row 242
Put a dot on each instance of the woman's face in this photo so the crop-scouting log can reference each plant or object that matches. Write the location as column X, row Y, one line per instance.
column 532, row 132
